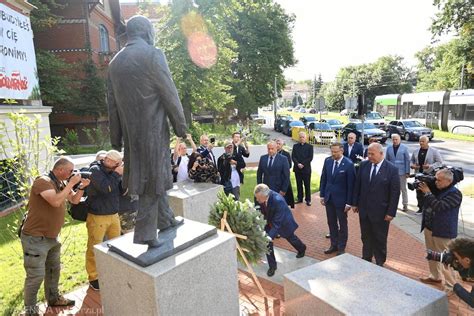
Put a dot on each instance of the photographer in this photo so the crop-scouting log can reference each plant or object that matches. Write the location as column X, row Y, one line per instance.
column 230, row 167
column 104, row 203
column 423, row 159
column 440, row 223
column 180, row 159
column 205, row 148
column 239, row 149
column 202, row 170
column 40, row 230
column 463, row 251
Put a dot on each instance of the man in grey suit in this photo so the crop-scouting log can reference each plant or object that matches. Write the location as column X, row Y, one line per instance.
column 397, row 153
column 422, row 160
column 142, row 98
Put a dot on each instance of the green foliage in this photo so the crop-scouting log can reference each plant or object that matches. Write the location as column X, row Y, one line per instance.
column 99, row 137
column 42, row 16
column 92, row 100
column 12, row 274
column 439, row 68
column 245, row 220
column 262, row 31
column 386, row 75
column 454, row 15
column 71, row 142
column 58, row 88
column 25, row 154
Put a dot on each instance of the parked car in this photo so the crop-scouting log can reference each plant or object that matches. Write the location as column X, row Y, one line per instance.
column 320, row 132
column 371, row 117
column 370, row 130
column 408, row 129
column 288, row 125
column 259, row 119
column 312, row 111
column 344, row 112
column 278, row 125
column 335, row 124
column 302, row 110
column 307, row 118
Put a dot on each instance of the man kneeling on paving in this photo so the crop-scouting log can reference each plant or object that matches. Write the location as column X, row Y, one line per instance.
column 280, row 221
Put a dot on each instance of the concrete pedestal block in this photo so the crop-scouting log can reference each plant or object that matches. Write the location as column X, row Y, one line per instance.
column 193, row 200
column 347, row 285
column 200, row 280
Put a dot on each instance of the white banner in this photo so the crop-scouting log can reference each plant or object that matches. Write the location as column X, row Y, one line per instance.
column 18, row 75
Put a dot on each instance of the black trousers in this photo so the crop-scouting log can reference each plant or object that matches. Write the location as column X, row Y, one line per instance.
column 374, row 239
column 292, row 239
column 420, row 196
column 337, row 222
column 303, row 179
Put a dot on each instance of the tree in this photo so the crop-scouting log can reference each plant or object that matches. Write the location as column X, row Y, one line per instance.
column 199, row 88
column 262, row 31
column 456, row 16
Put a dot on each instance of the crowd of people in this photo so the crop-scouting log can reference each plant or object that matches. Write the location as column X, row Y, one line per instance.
column 369, row 186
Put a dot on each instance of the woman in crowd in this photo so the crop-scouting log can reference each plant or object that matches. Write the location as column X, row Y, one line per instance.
column 202, row 170
column 180, row 159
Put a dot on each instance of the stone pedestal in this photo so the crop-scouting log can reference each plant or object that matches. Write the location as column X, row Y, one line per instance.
column 200, row 280
column 347, row 285
column 193, row 200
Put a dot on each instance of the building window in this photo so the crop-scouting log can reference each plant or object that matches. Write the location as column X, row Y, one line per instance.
column 104, row 39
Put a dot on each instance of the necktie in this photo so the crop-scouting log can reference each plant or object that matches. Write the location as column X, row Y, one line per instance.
column 270, row 162
column 336, row 164
column 374, row 172
column 349, row 151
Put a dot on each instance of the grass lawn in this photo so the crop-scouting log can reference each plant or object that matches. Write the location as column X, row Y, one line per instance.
column 250, row 180
column 12, row 273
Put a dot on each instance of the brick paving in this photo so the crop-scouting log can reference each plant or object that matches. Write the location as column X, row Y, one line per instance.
column 405, row 256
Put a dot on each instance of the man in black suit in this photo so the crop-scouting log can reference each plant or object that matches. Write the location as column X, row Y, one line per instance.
column 290, row 199
column 302, row 156
column 273, row 170
column 205, row 149
column 352, row 149
column 376, row 194
column 240, row 149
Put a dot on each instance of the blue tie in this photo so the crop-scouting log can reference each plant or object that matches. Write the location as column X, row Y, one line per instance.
column 335, row 167
column 374, row 172
column 270, row 162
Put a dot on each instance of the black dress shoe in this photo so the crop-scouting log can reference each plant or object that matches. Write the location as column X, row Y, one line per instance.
column 271, row 272
column 341, row 252
column 330, row 250
column 328, row 235
column 308, row 203
column 301, row 254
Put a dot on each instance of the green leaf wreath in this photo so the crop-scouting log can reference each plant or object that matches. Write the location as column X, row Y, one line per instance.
column 243, row 219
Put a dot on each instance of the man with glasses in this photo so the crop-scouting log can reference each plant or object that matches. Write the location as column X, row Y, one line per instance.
column 40, row 230
column 104, row 203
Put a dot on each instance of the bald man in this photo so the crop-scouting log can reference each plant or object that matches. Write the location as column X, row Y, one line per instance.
column 376, row 195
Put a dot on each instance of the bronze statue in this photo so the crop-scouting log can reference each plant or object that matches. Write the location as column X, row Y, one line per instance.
column 142, row 98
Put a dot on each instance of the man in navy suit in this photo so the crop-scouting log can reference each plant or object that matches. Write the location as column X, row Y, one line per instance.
column 280, row 221
column 352, row 149
column 376, row 194
column 337, row 182
column 273, row 170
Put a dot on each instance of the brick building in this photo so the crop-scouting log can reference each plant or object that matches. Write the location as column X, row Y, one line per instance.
column 86, row 28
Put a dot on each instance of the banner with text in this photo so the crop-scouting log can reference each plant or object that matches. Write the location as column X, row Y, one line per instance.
column 18, row 75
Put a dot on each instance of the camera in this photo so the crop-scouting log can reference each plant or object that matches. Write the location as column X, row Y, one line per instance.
column 430, row 179
column 445, row 257
column 84, row 174
column 203, row 161
column 213, row 140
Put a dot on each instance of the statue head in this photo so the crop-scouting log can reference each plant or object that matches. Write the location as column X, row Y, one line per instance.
column 139, row 26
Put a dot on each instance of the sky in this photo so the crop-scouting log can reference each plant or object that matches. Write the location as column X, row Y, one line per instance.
column 330, row 34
